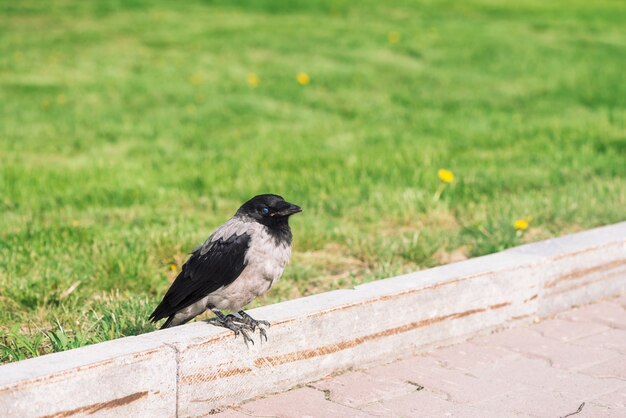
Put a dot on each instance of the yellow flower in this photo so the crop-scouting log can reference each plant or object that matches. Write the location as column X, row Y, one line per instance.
column 196, row 79
column 172, row 267
column 303, row 79
column 75, row 223
column 520, row 224
column 393, row 37
column 446, row 176
column 252, row 79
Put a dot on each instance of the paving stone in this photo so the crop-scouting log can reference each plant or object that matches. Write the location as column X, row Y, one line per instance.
column 532, row 402
column 301, row 403
column 422, row 404
column 451, row 384
column 469, row 357
column 607, row 313
column 537, row 373
column 609, row 369
column 516, row 337
column 559, row 354
column 570, row 357
column 567, row 330
column 358, row 388
column 614, row 401
column 591, row 410
column 614, row 339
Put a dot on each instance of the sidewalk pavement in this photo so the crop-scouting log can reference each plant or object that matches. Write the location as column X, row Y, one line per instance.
column 545, row 369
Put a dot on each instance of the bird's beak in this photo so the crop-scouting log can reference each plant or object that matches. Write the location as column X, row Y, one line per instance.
column 289, row 209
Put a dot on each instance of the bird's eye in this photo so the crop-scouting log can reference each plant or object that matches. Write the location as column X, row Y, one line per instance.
column 265, row 210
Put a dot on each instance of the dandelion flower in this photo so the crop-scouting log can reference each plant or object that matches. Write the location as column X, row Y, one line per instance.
column 393, row 37
column 196, row 79
column 172, row 267
column 446, row 176
column 520, row 224
column 252, row 79
column 303, row 79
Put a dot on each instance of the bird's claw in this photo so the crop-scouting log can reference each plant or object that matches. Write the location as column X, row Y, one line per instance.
column 252, row 324
column 240, row 324
column 228, row 322
column 245, row 336
column 264, row 323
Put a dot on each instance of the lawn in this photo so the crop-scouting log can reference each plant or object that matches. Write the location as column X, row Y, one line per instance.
column 129, row 130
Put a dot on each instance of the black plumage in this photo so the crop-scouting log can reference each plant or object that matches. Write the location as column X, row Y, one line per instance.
column 207, row 269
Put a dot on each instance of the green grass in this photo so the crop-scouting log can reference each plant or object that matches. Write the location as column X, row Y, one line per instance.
column 128, row 133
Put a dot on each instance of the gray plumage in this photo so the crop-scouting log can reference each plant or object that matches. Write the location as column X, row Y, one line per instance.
column 240, row 261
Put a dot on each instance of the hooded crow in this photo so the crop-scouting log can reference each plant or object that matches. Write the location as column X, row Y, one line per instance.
column 240, row 261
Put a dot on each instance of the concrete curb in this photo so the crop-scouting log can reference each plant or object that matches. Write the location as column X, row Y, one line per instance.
column 194, row 369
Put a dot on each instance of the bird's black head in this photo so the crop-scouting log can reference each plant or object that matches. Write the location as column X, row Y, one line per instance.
column 269, row 209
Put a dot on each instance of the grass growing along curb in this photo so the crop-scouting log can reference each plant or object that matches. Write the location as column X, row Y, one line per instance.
column 130, row 130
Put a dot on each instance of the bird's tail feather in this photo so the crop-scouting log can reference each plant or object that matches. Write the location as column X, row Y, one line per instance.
column 167, row 323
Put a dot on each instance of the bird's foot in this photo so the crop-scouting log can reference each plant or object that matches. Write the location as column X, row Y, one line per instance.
column 253, row 324
column 227, row 321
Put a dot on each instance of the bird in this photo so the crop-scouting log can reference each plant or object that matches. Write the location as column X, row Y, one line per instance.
column 241, row 260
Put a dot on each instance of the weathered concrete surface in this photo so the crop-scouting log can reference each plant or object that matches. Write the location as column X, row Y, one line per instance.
column 130, row 377
column 318, row 335
column 580, row 268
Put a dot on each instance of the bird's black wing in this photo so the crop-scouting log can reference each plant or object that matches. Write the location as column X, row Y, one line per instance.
column 217, row 263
